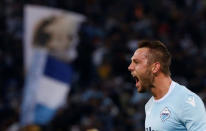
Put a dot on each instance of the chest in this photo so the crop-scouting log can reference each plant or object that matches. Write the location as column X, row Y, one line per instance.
column 162, row 118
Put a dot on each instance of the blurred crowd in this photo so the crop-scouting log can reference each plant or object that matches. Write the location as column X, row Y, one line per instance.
column 103, row 94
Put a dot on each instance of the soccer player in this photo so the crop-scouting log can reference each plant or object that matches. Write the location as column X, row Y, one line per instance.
column 172, row 106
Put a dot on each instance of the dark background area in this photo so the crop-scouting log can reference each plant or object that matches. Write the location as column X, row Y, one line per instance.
column 103, row 93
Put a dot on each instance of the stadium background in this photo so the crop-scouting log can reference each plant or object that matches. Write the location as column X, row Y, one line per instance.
column 104, row 95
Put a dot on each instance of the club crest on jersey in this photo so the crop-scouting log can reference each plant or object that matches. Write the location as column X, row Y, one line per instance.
column 165, row 114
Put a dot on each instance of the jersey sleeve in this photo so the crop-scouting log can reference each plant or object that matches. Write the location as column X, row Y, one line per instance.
column 193, row 114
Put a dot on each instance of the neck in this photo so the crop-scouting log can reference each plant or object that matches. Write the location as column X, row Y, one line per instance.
column 161, row 86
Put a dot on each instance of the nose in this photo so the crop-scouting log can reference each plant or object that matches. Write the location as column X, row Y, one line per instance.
column 131, row 67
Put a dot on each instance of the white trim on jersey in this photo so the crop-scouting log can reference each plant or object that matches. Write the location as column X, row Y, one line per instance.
column 172, row 85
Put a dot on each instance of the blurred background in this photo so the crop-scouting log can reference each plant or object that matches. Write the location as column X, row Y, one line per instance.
column 103, row 94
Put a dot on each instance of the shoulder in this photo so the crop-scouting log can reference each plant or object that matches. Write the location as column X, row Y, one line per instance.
column 184, row 94
column 189, row 103
column 182, row 99
column 149, row 103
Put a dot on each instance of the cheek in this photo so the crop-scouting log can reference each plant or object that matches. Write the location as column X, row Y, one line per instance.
column 140, row 69
column 136, row 69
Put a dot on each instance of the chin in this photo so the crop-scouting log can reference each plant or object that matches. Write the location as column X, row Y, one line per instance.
column 140, row 90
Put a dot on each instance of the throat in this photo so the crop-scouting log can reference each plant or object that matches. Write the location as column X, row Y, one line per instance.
column 160, row 92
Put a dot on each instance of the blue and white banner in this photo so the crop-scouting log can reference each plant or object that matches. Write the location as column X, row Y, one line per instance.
column 50, row 42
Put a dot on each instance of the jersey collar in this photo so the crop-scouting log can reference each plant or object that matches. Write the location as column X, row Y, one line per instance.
column 172, row 85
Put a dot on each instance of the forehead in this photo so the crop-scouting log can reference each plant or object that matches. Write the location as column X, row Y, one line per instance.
column 141, row 54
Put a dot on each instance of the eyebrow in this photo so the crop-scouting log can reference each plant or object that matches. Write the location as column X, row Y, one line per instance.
column 134, row 59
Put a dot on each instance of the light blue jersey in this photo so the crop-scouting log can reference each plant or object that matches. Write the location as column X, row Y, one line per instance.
column 179, row 110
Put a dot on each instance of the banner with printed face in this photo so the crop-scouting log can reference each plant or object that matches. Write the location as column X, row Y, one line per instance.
column 50, row 41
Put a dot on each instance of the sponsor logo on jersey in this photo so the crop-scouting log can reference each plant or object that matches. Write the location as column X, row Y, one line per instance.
column 191, row 101
column 165, row 114
column 149, row 129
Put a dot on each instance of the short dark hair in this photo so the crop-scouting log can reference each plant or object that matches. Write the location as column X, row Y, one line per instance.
column 158, row 52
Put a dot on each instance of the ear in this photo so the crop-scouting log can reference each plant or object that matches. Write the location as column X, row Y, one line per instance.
column 155, row 67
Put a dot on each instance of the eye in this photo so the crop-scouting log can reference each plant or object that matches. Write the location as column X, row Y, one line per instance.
column 136, row 62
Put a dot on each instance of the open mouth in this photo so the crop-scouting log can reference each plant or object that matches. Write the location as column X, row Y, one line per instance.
column 136, row 79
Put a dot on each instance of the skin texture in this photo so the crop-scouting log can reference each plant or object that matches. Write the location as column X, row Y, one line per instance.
column 141, row 70
column 149, row 77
